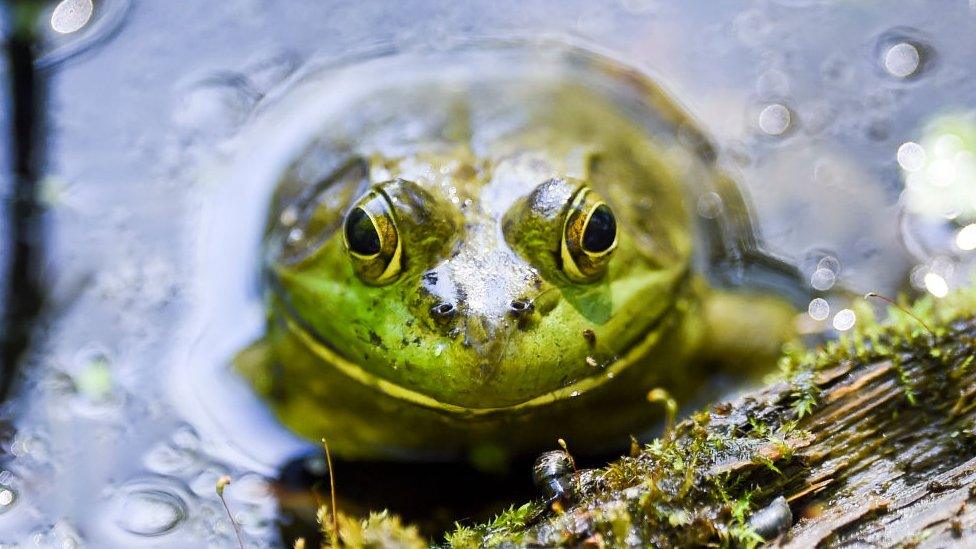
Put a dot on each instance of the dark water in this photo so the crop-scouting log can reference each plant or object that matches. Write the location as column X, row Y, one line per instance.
column 124, row 422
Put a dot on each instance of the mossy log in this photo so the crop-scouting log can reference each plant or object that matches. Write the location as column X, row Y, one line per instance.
column 867, row 440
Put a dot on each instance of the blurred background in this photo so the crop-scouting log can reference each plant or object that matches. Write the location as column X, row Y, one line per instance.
column 849, row 124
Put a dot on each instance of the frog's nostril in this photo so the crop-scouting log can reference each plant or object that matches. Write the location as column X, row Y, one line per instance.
column 443, row 311
column 521, row 306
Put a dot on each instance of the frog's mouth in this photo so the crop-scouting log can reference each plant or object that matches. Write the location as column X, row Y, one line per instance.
column 657, row 329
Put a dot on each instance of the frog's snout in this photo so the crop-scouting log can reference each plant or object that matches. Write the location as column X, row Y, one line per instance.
column 481, row 315
column 519, row 309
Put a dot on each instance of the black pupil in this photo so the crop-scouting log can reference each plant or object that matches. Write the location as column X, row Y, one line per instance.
column 361, row 233
column 600, row 231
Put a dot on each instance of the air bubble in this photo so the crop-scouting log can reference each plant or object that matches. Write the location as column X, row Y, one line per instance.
column 709, row 205
column 823, row 279
column 901, row 53
column 775, row 119
column 818, row 309
column 829, row 263
column 902, row 60
column 844, row 320
column 145, row 509
column 8, row 497
column 911, row 156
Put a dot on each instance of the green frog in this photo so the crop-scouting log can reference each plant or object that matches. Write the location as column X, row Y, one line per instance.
column 470, row 264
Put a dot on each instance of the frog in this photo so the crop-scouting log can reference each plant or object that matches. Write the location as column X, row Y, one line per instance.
column 471, row 264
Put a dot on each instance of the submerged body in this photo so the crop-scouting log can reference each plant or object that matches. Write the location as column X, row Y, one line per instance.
column 471, row 267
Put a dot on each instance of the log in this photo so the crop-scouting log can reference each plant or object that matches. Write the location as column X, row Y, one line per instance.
column 870, row 439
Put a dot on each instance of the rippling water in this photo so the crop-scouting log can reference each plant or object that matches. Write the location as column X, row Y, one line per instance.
column 824, row 111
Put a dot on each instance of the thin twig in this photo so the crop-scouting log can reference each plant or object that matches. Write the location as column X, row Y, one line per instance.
column 222, row 483
column 900, row 308
column 332, row 494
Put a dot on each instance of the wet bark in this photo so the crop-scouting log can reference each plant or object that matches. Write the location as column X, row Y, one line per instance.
column 871, row 440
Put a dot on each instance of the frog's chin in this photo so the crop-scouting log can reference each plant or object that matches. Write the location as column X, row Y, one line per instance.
column 636, row 353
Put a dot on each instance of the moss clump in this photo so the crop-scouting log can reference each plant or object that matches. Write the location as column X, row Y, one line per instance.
column 376, row 531
column 844, row 433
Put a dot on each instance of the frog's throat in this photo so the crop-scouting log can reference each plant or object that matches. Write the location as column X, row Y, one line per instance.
column 636, row 352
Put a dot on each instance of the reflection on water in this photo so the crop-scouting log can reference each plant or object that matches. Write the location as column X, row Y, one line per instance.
column 71, row 15
column 832, row 115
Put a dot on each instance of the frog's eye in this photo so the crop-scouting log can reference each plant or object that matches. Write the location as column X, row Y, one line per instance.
column 589, row 237
column 372, row 240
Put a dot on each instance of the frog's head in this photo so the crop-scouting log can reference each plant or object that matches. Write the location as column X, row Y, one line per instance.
column 484, row 285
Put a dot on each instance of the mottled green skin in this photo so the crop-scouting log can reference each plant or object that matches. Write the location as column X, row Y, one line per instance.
column 480, row 194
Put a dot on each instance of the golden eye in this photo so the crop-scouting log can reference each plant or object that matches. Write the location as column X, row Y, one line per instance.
column 589, row 237
column 372, row 240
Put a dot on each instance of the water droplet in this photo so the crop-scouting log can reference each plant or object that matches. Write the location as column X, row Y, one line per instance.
column 289, row 216
column 902, row 60
column 145, row 508
column 7, row 499
column 844, row 320
column 935, row 284
column 775, row 119
column 295, row 235
column 71, row 15
column 911, row 156
column 818, row 309
column 823, row 279
column 830, row 263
